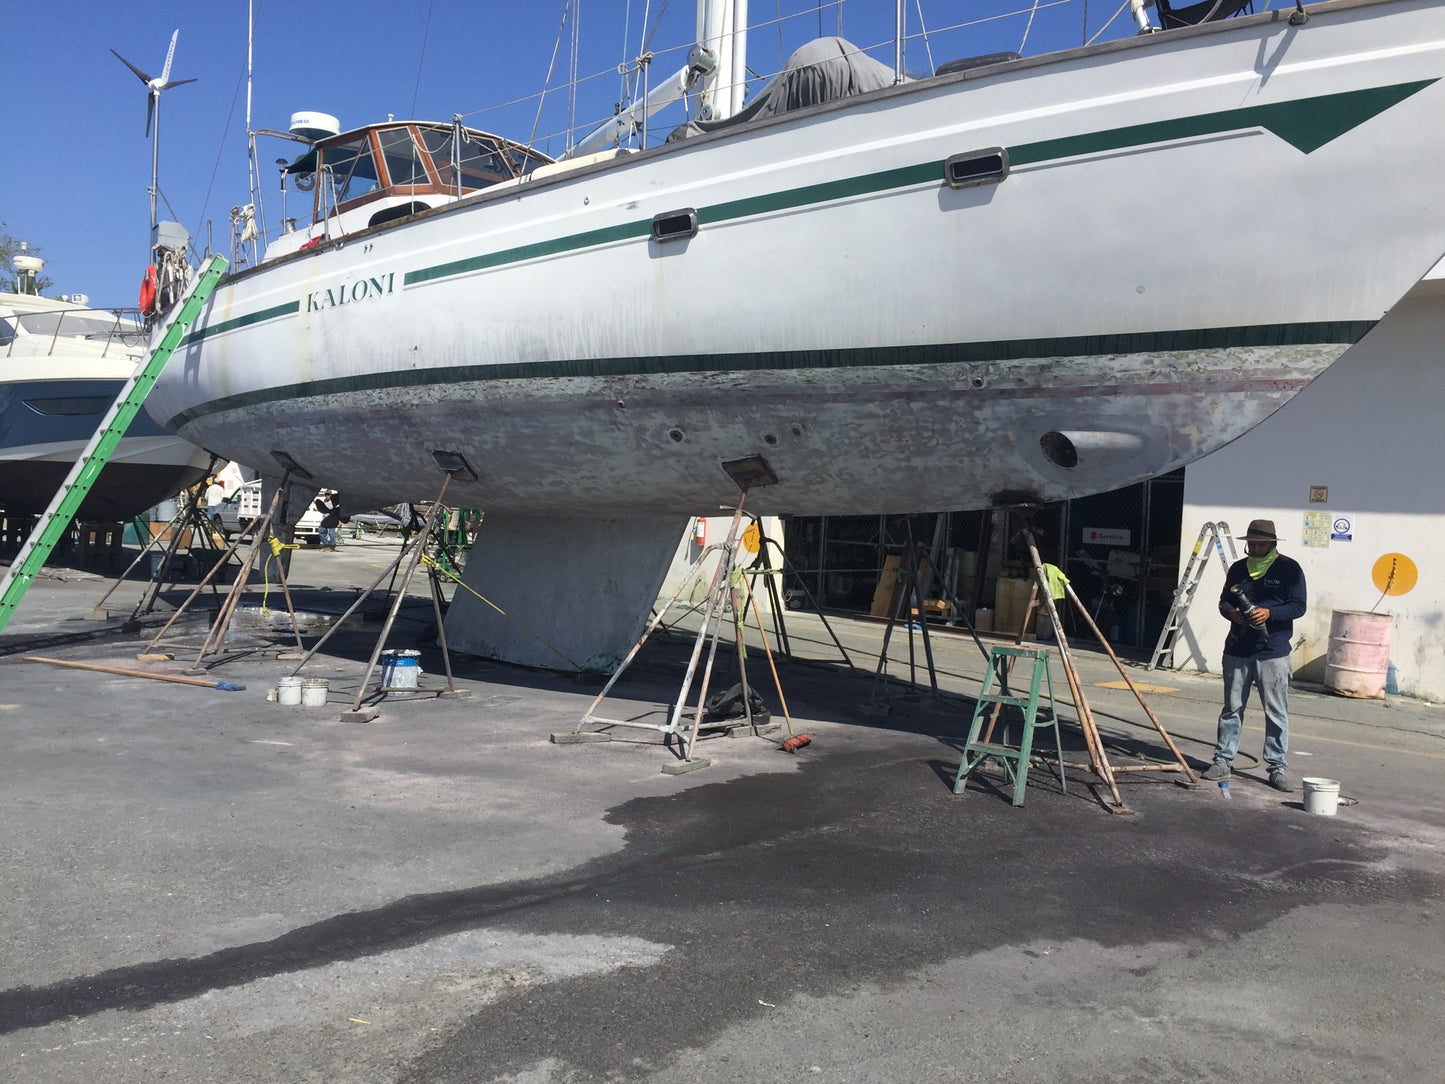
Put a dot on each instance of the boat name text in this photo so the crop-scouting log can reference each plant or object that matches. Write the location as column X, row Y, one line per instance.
column 348, row 294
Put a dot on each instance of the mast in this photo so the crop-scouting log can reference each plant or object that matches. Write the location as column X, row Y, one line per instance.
column 722, row 30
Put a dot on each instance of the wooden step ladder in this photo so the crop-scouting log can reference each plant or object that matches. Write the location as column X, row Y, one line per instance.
column 1015, row 759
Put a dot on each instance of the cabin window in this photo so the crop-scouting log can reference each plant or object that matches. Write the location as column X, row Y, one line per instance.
column 405, row 163
column 481, row 162
column 352, row 169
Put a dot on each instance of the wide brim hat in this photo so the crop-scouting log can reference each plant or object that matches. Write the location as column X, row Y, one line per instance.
column 1260, row 530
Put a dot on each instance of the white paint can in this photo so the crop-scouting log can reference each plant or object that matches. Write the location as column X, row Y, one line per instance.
column 288, row 690
column 1322, row 796
column 313, row 692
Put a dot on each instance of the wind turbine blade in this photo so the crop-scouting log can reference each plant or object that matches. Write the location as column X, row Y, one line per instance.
column 176, row 83
column 150, row 110
column 142, row 76
column 170, row 55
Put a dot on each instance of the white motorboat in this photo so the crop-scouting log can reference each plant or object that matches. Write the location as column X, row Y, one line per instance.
column 1017, row 282
column 61, row 367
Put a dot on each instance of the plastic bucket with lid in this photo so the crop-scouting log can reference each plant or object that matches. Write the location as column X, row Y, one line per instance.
column 1358, row 660
column 313, row 692
column 1322, row 796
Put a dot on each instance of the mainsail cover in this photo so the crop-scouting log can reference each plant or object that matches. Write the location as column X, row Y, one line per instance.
column 823, row 70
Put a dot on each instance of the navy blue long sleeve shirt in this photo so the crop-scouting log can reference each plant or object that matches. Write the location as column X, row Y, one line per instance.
column 1282, row 591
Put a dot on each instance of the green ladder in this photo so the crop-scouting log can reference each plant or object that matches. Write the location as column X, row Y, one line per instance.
column 1015, row 760
column 54, row 523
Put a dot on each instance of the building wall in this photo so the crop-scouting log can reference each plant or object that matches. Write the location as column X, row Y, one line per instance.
column 1370, row 429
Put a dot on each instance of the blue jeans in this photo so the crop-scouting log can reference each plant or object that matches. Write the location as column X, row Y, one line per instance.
column 1271, row 678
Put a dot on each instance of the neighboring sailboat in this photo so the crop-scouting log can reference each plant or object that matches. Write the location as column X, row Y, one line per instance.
column 1019, row 282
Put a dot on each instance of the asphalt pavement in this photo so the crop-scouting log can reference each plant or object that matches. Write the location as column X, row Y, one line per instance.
column 208, row 885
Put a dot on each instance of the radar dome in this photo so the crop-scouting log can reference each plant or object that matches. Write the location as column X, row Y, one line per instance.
column 314, row 126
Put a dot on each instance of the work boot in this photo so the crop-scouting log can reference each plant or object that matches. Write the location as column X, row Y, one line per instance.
column 1279, row 781
column 1216, row 771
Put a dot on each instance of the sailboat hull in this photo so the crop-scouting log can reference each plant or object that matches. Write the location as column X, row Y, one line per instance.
column 1190, row 228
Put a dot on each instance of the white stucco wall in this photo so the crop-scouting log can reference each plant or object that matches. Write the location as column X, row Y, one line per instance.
column 1371, row 429
column 689, row 550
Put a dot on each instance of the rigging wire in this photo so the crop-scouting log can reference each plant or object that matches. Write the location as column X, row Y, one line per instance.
column 1029, row 26
column 551, row 66
column 923, row 33
column 425, row 32
column 1122, row 8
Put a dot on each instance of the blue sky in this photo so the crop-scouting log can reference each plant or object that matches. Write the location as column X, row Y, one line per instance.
column 77, row 162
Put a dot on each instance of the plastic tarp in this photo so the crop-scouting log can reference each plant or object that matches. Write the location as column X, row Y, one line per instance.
column 824, row 70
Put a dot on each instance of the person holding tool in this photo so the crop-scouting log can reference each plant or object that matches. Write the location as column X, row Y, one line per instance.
column 1262, row 596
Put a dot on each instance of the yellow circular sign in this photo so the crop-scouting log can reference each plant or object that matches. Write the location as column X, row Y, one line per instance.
column 752, row 538
column 1395, row 574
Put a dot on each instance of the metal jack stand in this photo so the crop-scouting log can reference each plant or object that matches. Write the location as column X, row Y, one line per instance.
column 726, row 590
column 776, row 602
column 262, row 541
column 410, row 555
column 1098, row 758
column 190, row 518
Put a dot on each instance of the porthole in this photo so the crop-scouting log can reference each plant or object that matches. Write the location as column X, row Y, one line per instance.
column 973, row 168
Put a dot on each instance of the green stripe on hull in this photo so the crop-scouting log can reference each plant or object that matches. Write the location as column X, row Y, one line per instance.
column 1307, row 125
column 1344, row 333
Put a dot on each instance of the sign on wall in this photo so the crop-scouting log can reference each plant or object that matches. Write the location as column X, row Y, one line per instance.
column 1342, row 527
column 1107, row 536
column 1317, row 530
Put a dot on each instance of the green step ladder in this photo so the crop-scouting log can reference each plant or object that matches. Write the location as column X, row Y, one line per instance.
column 1015, row 759
column 56, row 520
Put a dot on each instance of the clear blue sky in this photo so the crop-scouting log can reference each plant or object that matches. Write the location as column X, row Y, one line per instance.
column 77, row 162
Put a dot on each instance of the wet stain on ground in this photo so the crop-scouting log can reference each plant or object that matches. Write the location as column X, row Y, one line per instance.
column 850, row 870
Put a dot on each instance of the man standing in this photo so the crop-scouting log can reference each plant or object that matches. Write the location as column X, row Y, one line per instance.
column 1263, row 594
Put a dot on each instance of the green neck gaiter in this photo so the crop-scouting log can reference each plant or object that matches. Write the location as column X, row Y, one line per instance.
column 1258, row 566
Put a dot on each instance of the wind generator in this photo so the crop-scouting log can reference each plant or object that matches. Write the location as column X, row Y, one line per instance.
column 164, row 278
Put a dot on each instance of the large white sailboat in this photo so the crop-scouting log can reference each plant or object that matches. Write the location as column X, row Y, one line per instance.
column 1015, row 282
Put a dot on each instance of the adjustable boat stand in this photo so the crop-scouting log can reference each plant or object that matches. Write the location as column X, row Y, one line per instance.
column 727, row 589
column 410, row 555
column 1098, row 758
column 262, row 540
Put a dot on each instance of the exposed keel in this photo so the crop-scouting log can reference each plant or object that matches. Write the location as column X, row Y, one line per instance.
column 576, row 592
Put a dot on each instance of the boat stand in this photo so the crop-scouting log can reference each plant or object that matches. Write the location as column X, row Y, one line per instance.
column 190, row 518
column 913, row 587
column 726, row 594
column 263, row 542
column 411, row 554
column 1098, row 758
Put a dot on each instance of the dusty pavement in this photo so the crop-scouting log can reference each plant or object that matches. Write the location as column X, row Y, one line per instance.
column 207, row 886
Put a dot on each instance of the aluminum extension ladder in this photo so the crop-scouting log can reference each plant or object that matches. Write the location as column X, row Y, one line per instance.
column 1188, row 585
column 56, row 519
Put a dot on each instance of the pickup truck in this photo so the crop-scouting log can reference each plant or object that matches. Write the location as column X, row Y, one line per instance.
column 235, row 514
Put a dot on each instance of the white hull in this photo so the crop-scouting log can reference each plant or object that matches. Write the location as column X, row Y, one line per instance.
column 58, row 377
column 1176, row 251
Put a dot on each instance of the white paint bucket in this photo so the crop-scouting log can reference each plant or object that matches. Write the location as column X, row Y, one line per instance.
column 288, row 690
column 313, row 692
column 399, row 668
column 1322, row 796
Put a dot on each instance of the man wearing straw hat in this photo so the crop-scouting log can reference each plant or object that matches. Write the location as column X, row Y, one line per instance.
column 1262, row 596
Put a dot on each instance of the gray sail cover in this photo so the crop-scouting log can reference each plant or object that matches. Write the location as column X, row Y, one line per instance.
column 823, row 70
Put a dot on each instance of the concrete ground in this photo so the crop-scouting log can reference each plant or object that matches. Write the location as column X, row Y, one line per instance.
column 203, row 885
